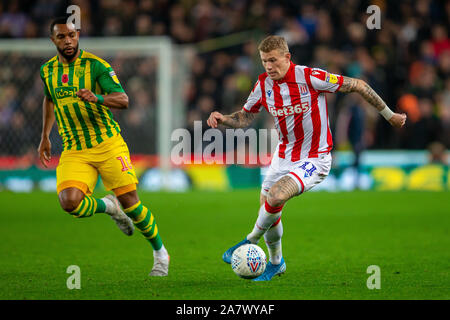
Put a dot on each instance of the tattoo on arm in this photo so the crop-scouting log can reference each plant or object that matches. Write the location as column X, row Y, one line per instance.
column 283, row 190
column 357, row 85
column 239, row 119
column 348, row 85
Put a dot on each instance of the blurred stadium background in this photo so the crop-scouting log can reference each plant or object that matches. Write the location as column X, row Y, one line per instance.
column 211, row 63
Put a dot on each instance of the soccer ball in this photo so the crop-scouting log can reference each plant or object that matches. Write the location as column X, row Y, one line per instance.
column 248, row 261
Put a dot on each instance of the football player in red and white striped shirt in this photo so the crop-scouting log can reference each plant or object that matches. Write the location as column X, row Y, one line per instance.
column 294, row 96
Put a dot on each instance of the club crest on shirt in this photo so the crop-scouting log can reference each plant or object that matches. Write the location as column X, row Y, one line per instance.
column 269, row 92
column 303, row 89
column 79, row 72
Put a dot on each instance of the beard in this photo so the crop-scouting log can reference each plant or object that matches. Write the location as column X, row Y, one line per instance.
column 66, row 56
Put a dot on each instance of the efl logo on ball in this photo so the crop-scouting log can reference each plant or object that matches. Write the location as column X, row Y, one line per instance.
column 248, row 261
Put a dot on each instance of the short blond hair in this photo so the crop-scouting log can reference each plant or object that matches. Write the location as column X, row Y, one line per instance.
column 273, row 43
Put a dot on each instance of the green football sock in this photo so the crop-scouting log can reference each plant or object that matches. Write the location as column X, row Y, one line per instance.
column 88, row 206
column 144, row 220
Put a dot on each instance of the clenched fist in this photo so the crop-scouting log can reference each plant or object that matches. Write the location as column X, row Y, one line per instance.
column 87, row 95
column 398, row 120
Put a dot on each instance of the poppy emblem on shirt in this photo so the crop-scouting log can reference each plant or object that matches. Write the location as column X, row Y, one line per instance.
column 65, row 78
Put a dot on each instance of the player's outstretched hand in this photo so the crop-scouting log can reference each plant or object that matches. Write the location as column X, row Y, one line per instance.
column 87, row 95
column 44, row 151
column 215, row 118
column 398, row 120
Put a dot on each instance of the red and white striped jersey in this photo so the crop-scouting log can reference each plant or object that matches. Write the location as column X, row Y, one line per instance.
column 299, row 108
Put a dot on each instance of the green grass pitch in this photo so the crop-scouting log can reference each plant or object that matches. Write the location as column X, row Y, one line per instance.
column 329, row 241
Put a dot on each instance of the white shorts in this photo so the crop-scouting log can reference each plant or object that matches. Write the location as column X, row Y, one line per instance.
column 307, row 172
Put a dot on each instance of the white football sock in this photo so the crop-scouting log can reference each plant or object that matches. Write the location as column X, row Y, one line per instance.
column 110, row 206
column 161, row 253
column 273, row 241
column 263, row 223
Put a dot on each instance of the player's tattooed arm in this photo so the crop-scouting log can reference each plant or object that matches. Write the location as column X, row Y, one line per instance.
column 238, row 119
column 360, row 86
column 357, row 85
column 283, row 190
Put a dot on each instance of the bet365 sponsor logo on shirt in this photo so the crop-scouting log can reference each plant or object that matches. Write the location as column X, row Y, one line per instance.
column 289, row 110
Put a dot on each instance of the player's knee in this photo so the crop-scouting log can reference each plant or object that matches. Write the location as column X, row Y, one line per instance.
column 69, row 201
column 69, row 205
column 275, row 199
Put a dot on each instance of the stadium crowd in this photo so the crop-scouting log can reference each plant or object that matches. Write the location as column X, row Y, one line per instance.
column 407, row 61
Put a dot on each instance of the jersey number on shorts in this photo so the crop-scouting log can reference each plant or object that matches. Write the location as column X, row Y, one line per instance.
column 125, row 163
column 309, row 168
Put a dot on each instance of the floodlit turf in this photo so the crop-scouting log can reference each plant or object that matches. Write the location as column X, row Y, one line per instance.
column 329, row 241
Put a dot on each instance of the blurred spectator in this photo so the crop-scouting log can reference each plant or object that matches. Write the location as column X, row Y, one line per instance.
column 437, row 153
column 13, row 21
column 444, row 114
column 427, row 129
column 440, row 42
